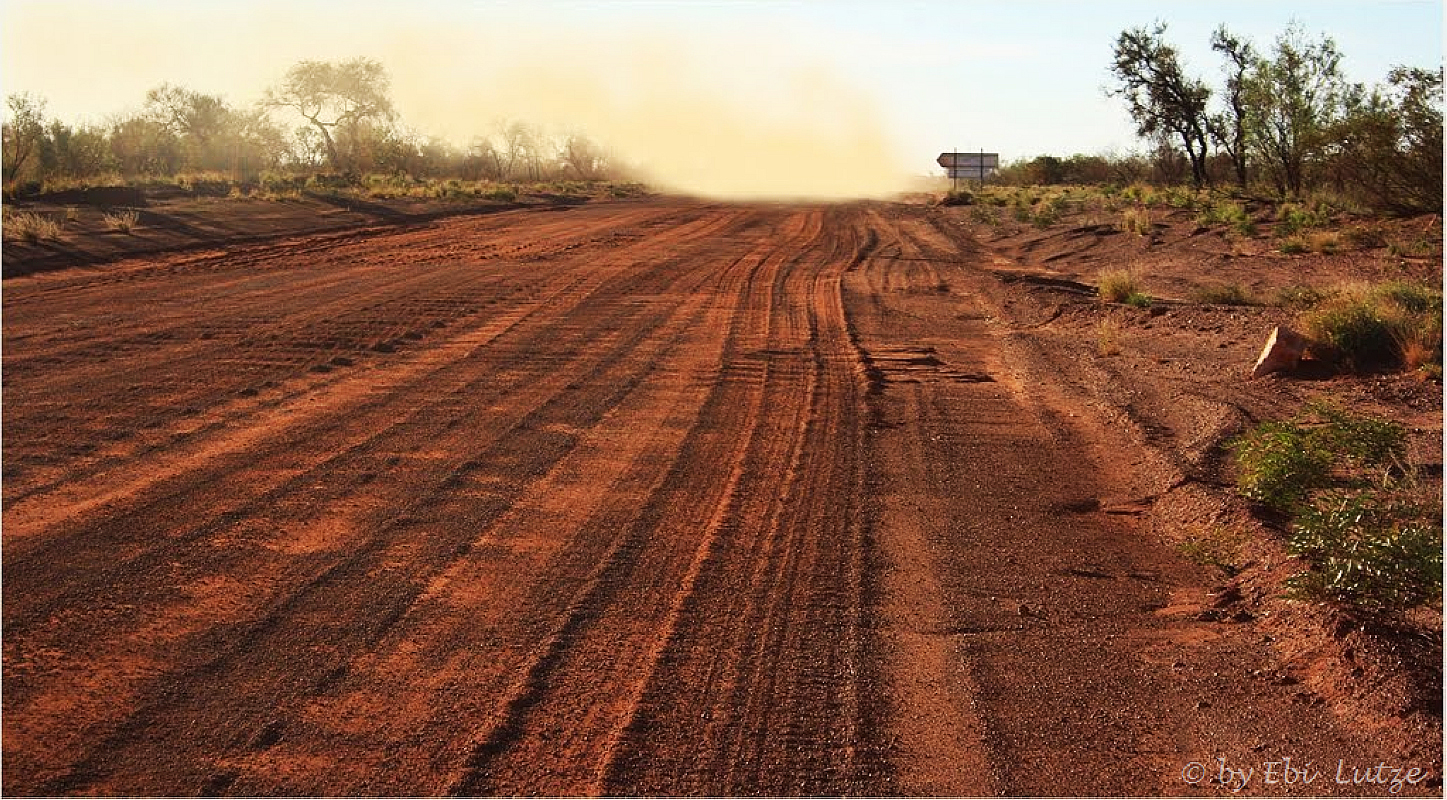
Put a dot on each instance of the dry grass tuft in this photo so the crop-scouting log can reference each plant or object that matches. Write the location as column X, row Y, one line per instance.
column 29, row 226
column 1118, row 286
column 123, row 220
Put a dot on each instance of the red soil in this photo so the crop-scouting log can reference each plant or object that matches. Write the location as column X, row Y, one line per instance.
column 641, row 497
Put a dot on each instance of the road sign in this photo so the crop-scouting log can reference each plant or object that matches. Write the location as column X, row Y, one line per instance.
column 970, row 165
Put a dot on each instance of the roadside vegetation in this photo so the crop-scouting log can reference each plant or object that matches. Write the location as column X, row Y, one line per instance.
column 1283, row 127
column 1385, row 326
column 28, row 226
column 1389, row 325
column 1121, row 286
column 327, row 126
column 1369, row 536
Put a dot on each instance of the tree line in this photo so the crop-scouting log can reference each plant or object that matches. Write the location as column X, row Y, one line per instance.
column 349, row 126
column 1285, row 119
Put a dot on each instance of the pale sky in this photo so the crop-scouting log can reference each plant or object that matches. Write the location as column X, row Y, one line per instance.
column 870, row 85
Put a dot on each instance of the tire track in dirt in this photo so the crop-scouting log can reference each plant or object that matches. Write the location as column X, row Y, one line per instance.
column 300, row 312
column 1037, row 642
column 539, row 562
column 298, row 480
column 644, row 498
column 576, row 698
column 755, row 688
column 333, row 308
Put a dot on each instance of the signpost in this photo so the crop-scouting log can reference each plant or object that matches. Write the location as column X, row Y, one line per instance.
column 969, row 165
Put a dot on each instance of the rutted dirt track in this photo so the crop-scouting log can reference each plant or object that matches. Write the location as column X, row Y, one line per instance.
column 648, row 497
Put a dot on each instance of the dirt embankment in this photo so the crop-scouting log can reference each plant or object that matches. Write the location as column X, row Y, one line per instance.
column 1171, row 383
column 169, row 219
column 643, row 497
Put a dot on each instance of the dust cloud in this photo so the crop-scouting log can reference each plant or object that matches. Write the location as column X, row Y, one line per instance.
column 719, row 100
column 709, row 123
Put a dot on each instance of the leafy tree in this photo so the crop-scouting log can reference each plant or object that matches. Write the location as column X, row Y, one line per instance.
column 74, row 152
column 141, row 146
column 1293, row 99
column 435, row 158
column 307, row 148
column 1387, row 147
column 1419, row 141
column 1228, row 130
column 1162, row 100
column 188, row 114
column 255, row 142
column 209, row 132
column 332, row 96
column 23, row 131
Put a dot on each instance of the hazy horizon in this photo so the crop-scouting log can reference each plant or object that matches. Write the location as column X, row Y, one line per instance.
column 722, row 98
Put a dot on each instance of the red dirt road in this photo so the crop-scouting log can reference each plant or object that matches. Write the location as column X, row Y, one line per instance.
column 647, row 497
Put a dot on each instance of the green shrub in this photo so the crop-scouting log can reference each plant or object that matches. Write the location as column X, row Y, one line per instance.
column 1301, row 298
column 1291, row 218
column 986, row 214
column 1411, row 297
column 1366, row 443
column 993, row 196
column 1048, row 211
column 1293, row 246
column 1139, row 193
column 1357, row 334
column 1366, row 543
column 1139, row 300
column 1369, row 549
column 1280, row 463
column 1230, row 214
column 1136, row 220
column 1180, row 197
column 1391, row 325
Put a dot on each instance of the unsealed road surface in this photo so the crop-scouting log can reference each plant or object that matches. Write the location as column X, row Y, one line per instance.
column 648, row 497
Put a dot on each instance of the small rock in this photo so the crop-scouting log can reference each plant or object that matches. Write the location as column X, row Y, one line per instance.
column 1283, row 351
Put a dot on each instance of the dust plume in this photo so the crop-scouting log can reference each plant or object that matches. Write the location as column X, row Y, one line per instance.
column 680, row 119
column 723, row 100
